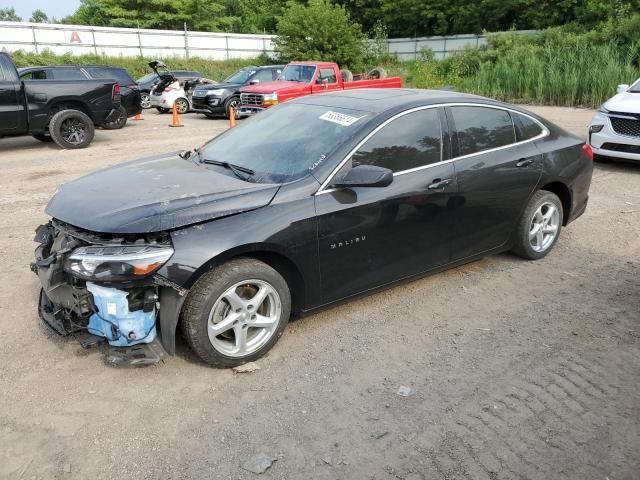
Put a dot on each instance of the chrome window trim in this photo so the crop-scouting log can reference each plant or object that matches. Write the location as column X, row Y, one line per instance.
column 545, row 132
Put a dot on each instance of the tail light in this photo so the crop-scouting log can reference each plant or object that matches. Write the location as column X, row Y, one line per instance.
column 169, row 89
column 115, row 93
column 586, row 148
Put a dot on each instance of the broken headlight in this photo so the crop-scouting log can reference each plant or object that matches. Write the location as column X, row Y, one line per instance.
column 113, row 263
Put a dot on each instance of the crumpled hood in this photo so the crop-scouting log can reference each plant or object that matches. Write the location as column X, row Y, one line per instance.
column 275, row 86
column 154, row 194
column 624, row 102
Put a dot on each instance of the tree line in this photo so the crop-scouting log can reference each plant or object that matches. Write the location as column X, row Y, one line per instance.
column 400, row 18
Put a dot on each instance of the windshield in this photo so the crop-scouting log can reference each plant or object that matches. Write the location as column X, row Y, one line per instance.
column 298, row 73
column 285, row 142
column 149, row 77
column 635, row 88
column 240, row 76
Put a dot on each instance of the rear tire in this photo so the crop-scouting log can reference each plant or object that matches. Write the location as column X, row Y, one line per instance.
column 145, row 100
column 43, row 137
column 346, row 75
column 182, row 105
column 218, row 313
column 539, row 227
column 71, row 129
column 378, row 73
column 119, row 122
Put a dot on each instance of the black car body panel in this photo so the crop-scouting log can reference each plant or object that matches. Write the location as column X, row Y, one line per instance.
column 129, row 91
column 152, row 195
column 26, row 107
column 330, row 243
column 215, row 104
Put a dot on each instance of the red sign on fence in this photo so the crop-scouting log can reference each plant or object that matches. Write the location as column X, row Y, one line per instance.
column 75, row 38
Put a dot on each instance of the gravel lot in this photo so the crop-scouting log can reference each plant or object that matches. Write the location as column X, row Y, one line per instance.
column 516, row 370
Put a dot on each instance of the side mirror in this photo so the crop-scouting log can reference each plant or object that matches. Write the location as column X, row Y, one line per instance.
column 365, row 176
column 622, row 88
column 254, row 82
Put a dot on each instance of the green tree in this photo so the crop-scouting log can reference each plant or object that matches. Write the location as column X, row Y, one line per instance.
column 9, row 15
column 319, row 31
column 38, row 16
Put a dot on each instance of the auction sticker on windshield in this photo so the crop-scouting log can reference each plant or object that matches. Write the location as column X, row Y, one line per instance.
column 339, row 118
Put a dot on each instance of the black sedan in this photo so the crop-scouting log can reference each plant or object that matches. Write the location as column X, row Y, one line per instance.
column 309, row 203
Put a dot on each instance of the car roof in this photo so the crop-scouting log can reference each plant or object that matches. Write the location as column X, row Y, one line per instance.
column 83, row 65
column 379, row 100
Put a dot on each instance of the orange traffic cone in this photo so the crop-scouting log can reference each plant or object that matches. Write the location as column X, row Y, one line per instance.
column 232, row 117
column 175, row 118
column 138, row 117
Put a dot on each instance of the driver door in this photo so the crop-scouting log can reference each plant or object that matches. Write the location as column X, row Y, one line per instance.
column 370, row 236
column 326, row 81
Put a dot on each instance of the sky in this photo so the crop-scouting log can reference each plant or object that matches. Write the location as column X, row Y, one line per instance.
column 53, row 8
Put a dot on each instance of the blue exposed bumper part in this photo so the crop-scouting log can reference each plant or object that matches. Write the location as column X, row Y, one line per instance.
column 115, row 322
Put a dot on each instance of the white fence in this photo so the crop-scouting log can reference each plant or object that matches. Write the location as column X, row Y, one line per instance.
column 133, row 42
column 410, row 48
column 130, row 42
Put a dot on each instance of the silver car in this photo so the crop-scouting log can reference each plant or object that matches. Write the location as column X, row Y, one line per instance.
column 615, row 128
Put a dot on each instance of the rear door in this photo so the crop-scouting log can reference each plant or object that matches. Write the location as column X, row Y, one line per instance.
column 12, row 111
column 496, row 174
column 369, row 236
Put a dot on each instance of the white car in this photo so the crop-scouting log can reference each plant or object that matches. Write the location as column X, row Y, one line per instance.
column 163, row 97
column 169, row 91
column 615, row 128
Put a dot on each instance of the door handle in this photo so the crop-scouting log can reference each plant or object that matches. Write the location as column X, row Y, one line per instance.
column 439, row 183
column 524, row 162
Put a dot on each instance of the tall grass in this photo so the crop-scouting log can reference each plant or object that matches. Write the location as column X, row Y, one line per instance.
column 576, row 75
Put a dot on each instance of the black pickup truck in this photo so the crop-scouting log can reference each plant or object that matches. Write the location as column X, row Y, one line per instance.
column 63, row 111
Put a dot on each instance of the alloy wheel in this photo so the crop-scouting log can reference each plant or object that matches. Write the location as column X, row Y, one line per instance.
column 244, row 318
column 182, row 106
column 73, row 130
column 544, row 227
column 145, row 100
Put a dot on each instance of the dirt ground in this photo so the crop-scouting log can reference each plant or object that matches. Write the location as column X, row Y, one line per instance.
column 516, row 370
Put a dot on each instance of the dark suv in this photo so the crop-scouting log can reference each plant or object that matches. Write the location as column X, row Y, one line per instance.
column 150, row 80
column 218, row 99
column 129, row 90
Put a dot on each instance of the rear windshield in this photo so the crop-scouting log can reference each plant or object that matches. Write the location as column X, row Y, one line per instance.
column 118, row 74
column 285, row 142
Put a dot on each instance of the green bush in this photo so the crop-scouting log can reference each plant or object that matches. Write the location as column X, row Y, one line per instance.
column 320, row 31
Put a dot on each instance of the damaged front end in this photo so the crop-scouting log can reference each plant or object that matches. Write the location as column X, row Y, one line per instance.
column 104, row 286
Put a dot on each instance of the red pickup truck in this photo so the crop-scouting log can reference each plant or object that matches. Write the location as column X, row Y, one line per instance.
column 303, row 78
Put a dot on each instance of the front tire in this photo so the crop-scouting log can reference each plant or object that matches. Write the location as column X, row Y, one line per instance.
column 235, row 313
column 539, row 227
column 119, row 122
column 232, row 102
column 71, row 129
